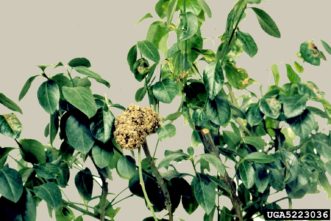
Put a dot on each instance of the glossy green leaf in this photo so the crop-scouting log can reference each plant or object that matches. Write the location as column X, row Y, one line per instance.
column 132, row 57
column 4, row 154
column 171, row 10
column 11, row 184
column 172, row 156
column 91, row 74
column 101, row 125
column 328, row 167
column 26, row 87
column 255, row 141
column 294, row 105
column 84, row 183
column 10, row 125
column 218, row 111
column 126, row 167
column 79, row 62
column 196, row 95
column 247, row 173
column 64, row 214
column 78, row 135
column 249, row 44
column 7, row 102
column 326, row 46
column 271, row 107
column 81, row 98
column 49, row 96
column 275, row 73
column 51, row 193
column 140, row 94
column 189, row 202
column 205, row 192
column 149, row 50
column 165, row 90
column 254, row 116
column 32, row 151
column 157, row 34
column 146, row 16
column 188, row 27
column 267, row 23
column 215, row 161
column 298, row 67
column 237, row 77
column 261, row 178
column 292, row 75
column 101, row 156
column 231, row 138
column 213, row 79
column 303, row 124
column 30, row 213
column 259, row 157
column 323, row 180
column 166, row 131
column 310, row 53
column 205, row 7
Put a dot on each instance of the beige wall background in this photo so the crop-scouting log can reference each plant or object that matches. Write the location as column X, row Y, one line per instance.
column 43, row 32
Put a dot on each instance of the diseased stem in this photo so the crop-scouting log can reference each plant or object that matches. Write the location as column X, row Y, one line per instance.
column 142, row 184
column 160, row 181
column 211, row 148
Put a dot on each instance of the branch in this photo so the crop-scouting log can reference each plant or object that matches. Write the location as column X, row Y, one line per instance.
column 211, row 148
column 84, row 211
column 160, row 181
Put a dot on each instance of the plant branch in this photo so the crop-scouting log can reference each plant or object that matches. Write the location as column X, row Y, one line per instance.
column 211, row 148
column 142, row 184
column 84, row 211
column 160, row 181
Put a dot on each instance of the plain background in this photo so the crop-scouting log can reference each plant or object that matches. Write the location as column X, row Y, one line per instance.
column 44, row 32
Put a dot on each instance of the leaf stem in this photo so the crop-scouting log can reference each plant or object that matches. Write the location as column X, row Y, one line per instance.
column 142, row 184
column 84, row 211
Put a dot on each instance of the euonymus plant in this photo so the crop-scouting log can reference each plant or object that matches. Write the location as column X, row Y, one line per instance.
column 245, row 146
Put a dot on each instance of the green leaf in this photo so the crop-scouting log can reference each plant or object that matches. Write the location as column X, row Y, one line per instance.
column 267, row 23
column 140, row 94
column 81, row 98
column 326, row 46
column 173, row 156
column 328, row 167
column 292, row 75
column 132, row 57
column 165, row 90
column 146, row 16
column 126, row 167
column 10, row 125
column 91, row 74
column 303, row 124
column 294, row 105
column 249, row 45
column 32, row 151
column 166, row 131
column 215, row 161
column 270, row 106
column 247, row 173
column 298, row 67
column 310, row 53
column 11, row 184
column 79, row 62
column 237, row 77
column 255, row 141
column 323, row 180
column 195, row 95
column 49, row 96
column 259, row 157
column 30, row 212
column 171, row 10
column 26, row 87
column 261, row 178
column 84, row 183
column 275, row 73
column 51, row 193
column 188, row 27
column 189, row 202
column 4, row 100
column 101, row 156
column 101, row 125
column 232, row 139
column 53, row 126
column 254, row 116
column 213, row 79
column 4, row 154
column 64, row 214
column 148, row 50
column 205, row 7
column 78, row 135
column 204, row 192
column 157, row 34
column 226, row 215
column 218, row 111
